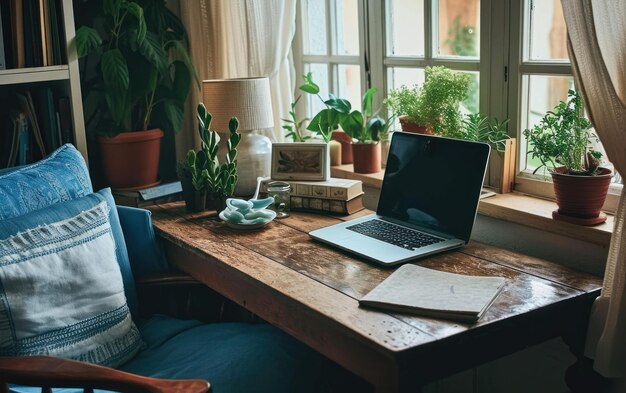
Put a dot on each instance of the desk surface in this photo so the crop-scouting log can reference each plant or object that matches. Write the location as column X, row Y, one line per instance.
column 311, row 291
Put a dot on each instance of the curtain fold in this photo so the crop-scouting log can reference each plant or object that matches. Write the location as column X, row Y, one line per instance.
column 597, row 45
column 243, row 38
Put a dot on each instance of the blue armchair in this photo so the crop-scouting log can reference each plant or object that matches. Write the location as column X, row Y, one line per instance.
column 50, row 204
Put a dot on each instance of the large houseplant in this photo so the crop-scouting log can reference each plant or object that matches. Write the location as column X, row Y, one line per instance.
column 561, row 142
column 434, row 106
column 136, row 75
column 203, row 177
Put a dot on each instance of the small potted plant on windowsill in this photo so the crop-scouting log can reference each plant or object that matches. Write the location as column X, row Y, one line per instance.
column 502, row 158
column 561, row 141
column 136, row 74
column 363, row 128
column 434, row 106
column 206, row 182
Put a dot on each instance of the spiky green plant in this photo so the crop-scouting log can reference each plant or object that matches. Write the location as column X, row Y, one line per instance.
column 203, row 167
column 479, row 128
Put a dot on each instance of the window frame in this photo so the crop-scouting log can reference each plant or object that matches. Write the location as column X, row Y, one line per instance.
column 501, row 68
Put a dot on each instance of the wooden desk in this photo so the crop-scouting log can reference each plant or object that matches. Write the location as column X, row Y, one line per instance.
column 311, row 291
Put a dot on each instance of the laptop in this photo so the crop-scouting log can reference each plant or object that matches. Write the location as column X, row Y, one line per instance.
column 428, row 201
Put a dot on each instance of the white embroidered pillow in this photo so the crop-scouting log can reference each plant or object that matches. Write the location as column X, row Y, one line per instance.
column 61, row 291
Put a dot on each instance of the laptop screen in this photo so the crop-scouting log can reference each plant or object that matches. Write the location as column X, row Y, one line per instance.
column 433, row 182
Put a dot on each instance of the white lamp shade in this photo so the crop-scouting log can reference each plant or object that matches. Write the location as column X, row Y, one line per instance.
column 247, row 99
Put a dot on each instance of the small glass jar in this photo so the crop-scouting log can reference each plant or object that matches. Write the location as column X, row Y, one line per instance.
column 281, row 192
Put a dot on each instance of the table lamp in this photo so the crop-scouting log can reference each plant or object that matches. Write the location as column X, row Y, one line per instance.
column 247, row 99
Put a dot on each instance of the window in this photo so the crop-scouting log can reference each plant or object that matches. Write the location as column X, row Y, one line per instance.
column 515, row 51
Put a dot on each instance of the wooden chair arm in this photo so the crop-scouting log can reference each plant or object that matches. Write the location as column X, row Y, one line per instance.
column 48, row 371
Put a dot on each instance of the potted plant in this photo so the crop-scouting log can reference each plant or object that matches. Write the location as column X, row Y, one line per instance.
column 136, row 77
column 502, row 158
column 363, row 128
column 561, row 142
column 434, row 106
column 206, row 182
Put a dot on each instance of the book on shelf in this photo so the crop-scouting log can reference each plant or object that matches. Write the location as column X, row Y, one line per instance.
column 47, row 117
column 26, row 104
column 32, row 33
column 334, row 188
column 162, row 193
column 433, row 293
column 3, row 60
column 325, row 205
column 64, row 116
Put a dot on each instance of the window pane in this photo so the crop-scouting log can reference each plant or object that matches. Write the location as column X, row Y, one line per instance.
column 349, row 80
column 314, row 32
column 547, row 39
column 542, row 94
column 347, row 37
column 320, row 77
column 405, row 28
column 399, row 76
column 459, row 28
column 472, row 102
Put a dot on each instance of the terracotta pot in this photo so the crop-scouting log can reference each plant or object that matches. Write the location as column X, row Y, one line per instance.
column 366, row 157
column 346, row 146
column 581, row 196
column 408, row 126
column 131, row 159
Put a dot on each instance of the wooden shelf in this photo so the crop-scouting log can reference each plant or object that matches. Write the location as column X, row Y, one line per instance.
column 34, row 74
column 68, row 75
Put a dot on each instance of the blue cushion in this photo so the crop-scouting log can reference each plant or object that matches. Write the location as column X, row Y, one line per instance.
column 233, row 357
column 61, row 176
column 141, row 243
column 61, row 290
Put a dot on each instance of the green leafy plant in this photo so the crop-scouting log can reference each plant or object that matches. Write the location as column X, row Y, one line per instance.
column 365, row 127
column 293, row 125
column 135, row 66
column 435, row 104
column 480, row 128
column 203, row 167
column 563, row 138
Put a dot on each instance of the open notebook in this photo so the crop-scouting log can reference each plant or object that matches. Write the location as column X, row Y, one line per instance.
column 432, row 293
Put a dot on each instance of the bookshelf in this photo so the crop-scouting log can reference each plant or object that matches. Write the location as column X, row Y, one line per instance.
column 63, row 79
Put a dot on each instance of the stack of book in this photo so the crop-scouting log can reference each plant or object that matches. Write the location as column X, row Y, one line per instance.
column 167, row 192
column 337, row 196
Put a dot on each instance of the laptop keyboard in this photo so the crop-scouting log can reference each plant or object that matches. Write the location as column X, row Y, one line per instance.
column 394, row 234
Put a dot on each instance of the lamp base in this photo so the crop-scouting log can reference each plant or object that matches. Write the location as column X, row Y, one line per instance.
column 254, row 154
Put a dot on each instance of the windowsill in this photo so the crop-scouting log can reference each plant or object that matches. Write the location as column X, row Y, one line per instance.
column 514, row 207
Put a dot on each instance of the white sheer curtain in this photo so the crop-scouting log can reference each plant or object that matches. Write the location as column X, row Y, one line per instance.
column 243, row 38
column 597, row 43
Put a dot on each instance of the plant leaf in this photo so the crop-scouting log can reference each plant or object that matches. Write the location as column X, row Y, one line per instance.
column 152, row 50
column 339, row 104
column 87, row 40
column 353, row 125
column 367, row 101
column 181, row 82
column 309, row 86
column 115, row 71
column 136, row 10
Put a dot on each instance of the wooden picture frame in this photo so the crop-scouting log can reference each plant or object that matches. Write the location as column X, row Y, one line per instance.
column 300, row 161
